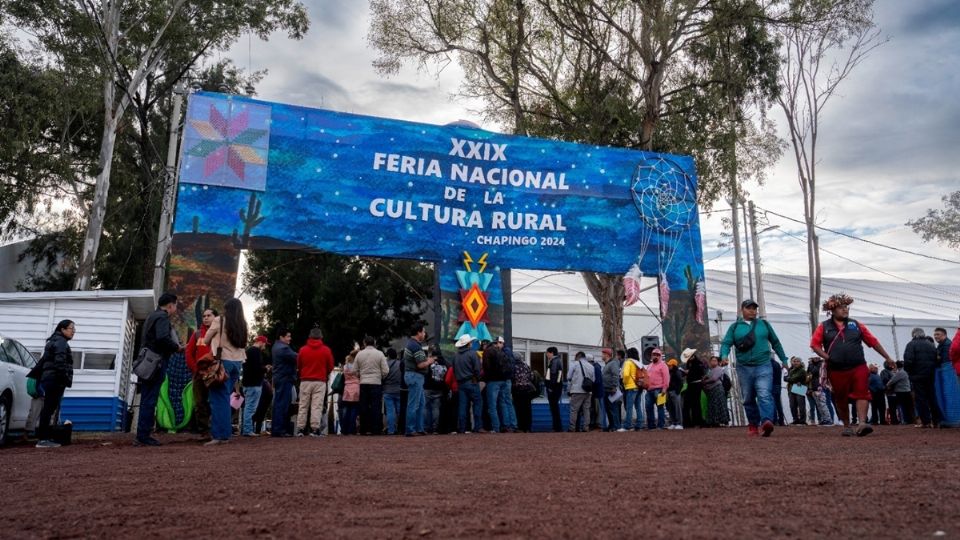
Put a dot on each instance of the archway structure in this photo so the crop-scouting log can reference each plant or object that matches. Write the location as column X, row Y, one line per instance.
column 261, row 175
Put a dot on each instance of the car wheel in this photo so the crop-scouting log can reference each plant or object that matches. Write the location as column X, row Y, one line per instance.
column 4, row 420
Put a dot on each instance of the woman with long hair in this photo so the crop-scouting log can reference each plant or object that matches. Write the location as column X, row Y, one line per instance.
column 350, row 399
column 196, row 349
column 228, row 336
column 55, row 371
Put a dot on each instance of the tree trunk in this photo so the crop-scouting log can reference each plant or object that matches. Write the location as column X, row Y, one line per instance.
column 91, row 243
column 608, row 291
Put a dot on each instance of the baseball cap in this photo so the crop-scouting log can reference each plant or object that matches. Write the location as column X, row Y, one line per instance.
column 749, row 303
column 261, row 339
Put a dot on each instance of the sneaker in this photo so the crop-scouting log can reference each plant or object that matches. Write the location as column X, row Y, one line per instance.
column 215, row 442
column 317, row 433
column 864, row 431
column 149, row 441
column 767, row 428
column 678, row 427
column 621, row 430
column 47, row 444
column 299, row 434
column 825, row 424
column 752, row 431
column 847, row 432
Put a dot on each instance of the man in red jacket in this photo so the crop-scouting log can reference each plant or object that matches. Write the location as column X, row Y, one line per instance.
column 314, row 364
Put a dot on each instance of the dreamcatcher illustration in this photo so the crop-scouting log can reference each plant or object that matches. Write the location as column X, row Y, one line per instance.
column 665, row 197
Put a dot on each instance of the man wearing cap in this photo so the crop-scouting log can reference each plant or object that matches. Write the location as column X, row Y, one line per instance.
column 466, row 369
column 752, row 338
column 839, row 340
column 252, row 381
column 554, row 384
column 658, row 381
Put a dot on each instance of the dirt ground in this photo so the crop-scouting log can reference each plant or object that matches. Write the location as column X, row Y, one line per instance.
column 803, row 482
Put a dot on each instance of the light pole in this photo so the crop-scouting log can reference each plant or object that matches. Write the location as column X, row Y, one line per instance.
column 165, row 234
column 756, row 256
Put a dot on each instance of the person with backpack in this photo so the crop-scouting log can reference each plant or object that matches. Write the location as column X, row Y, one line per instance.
column 633, row 374
column 524, row 390
column 434, row 390
column 839, row 340
column 752, row 339
column 581, row 377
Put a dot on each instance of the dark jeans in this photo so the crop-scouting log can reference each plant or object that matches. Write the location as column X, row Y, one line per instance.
column 149, row 394
column 553, row 397
column 923, row 391
column 52, row 396
column 282, row 396
column 201, row 408
column 469, row 394
column 522, row 403
column 798, row 408
column 692, row 414
column 613, row 413
column 878, row 404
column 348, row 417
column 778, row 417
column 266, row 400
column 432, row 399
column 907, row 412
column 371, row 409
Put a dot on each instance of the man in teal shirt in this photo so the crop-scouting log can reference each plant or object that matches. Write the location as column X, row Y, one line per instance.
column 752, row 339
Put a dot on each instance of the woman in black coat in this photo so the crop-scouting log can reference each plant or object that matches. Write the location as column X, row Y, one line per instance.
column 56, row 375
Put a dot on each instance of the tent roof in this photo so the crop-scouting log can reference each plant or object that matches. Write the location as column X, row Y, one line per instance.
column 784, row 294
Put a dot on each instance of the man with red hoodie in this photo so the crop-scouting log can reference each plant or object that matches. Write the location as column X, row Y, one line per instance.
column 314, row 364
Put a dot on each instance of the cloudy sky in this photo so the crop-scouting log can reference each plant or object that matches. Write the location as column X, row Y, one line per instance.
column 889, row 141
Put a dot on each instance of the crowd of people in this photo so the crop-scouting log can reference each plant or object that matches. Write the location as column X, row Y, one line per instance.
column 486, row 388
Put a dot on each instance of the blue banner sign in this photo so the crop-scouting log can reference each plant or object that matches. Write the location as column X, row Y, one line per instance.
column 280, row 176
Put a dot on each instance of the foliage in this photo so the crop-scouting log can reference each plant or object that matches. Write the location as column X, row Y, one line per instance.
column 130, row 55
column 347, row 297
column 941, row 225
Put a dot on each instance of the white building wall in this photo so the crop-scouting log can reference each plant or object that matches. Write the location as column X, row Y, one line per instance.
column 99, row 324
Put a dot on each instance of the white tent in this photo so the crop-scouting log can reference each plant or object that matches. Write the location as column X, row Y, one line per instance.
column 556, row 308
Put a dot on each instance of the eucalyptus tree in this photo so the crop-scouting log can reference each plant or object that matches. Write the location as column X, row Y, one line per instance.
column 823, row 43
column 136, row 51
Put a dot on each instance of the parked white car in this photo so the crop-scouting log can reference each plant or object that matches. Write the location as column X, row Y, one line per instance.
column 15, row 363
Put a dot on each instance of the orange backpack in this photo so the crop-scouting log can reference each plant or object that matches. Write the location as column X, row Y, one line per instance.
column 640, row 376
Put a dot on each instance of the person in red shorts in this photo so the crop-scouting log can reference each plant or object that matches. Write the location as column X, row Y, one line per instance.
column 839, row 340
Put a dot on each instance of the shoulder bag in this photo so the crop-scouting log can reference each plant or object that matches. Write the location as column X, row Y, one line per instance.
column 147, row 363
column 210, row 367
column 587, row 384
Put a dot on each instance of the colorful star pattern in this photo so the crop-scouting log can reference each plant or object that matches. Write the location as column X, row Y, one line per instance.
column 226, row 148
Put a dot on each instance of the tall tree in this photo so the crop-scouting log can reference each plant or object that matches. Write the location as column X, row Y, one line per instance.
column 827, row 40
column 941, row 225
column 581, row 70
column 347, row 297
column 126, row 44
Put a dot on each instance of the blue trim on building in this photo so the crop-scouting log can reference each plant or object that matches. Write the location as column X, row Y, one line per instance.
column 93, row 413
